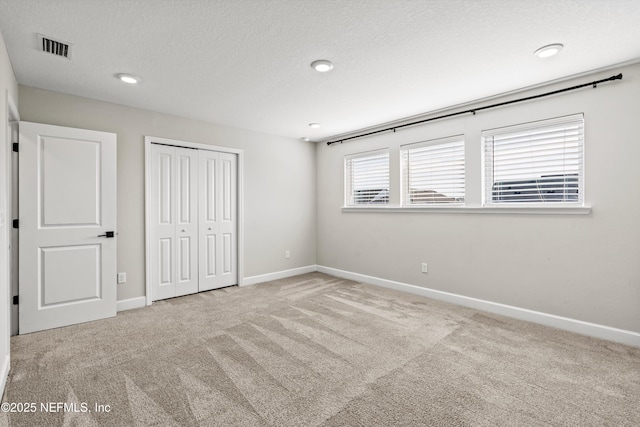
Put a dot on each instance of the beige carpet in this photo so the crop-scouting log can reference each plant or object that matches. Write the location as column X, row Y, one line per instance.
column 314, row 350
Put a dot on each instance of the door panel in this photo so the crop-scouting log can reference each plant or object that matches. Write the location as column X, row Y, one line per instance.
column 166, row 259
column 208, row 220
column 227, row 254
column 210, row 256
column 165, row 191
column 227, row 202
column 185, row 259
column 187, row 221
column 162, row 222
column 54, row 289
column 218, row 251
column 174, row 222
column 209, row 182
column 70, row 173
column 228, row 251
column 67, row 190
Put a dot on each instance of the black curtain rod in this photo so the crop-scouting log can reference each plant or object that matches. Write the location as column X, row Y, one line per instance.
column 474, row 110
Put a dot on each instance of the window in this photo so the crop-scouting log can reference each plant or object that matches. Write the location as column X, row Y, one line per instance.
column 367, row 179
column 535, row 163
column 433, row 172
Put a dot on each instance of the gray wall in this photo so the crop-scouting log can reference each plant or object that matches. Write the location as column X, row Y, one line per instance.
column 279, row 180
column 585, row 267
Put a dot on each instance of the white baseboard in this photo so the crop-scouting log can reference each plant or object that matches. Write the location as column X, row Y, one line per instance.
column 252, row 280
column 131, row 303
column 565, row 323
column 4, row 374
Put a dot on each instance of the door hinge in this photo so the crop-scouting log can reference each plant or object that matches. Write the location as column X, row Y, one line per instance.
column 16, row 223
column 15, row 147
column 15, row 300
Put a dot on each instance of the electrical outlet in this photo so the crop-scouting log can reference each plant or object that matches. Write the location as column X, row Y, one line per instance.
column 424, row 268
column 287, row 254
column 122, row 278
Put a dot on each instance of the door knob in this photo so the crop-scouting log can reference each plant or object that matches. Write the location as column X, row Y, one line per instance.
column 183, row 230
column 108, row 234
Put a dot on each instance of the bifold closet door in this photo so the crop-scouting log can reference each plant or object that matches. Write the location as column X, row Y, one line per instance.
column 174, row 221
column 218, row 220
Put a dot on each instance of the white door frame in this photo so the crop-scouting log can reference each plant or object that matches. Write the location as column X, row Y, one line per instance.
column 12, row 194
column 148, row 140
column 6, row 306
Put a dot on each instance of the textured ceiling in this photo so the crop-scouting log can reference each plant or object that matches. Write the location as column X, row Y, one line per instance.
column 245, row 63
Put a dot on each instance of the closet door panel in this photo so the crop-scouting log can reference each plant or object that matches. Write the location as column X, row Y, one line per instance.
column 228, row 224
column 187, row 221
column 209, row 267
column 218, row 220
column 162, row 217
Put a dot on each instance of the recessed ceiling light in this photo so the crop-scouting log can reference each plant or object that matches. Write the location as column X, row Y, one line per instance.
column 305, row 139
column 128, row 78
column 314, row 125
column 322, row 65
column 548, row 50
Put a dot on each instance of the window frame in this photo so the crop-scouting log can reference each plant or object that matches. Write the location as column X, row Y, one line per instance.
column 405, row 150
column 348, row 184
column 487, row 178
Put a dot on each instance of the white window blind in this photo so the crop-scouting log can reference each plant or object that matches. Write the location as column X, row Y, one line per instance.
column 535, row 163
column 433, row 172
column 367, row 179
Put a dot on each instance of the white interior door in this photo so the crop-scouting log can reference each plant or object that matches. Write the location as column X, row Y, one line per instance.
column 173, row 221
column 218, row 220
column 67, row 211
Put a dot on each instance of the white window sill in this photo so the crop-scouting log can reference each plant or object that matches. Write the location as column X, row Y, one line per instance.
column 509, row 210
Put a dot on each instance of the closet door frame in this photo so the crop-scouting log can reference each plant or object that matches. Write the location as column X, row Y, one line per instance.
column 148, row 140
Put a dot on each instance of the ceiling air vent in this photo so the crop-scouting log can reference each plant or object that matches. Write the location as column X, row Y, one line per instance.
column 53, row 46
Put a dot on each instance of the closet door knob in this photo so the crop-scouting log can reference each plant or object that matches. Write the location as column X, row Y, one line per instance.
column 183, row 230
